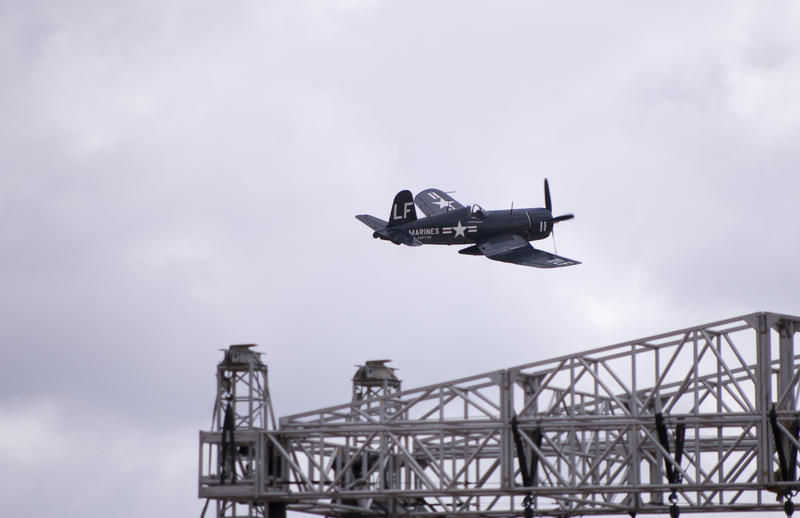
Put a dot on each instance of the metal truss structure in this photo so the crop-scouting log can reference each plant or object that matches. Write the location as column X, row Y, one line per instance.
column 696, row 420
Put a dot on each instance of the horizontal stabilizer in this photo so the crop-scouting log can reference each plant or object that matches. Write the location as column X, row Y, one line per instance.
column 371, row 221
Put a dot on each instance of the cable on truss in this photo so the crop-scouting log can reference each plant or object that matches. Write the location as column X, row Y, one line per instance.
column 528, row 469
column 786, row 463
column 672, row 469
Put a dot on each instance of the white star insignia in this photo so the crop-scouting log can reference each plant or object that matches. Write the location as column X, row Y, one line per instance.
column 459, row 230
column 442, row 203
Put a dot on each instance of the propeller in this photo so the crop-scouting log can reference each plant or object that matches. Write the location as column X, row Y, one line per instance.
column 548, row 204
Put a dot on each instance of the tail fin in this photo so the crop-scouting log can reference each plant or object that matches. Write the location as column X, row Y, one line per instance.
column 403, row 210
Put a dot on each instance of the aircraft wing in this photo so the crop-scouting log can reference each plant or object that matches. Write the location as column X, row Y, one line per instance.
column 434, row 201
column 511, row 248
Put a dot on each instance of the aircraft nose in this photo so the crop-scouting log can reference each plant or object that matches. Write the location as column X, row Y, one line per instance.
column 531, row 225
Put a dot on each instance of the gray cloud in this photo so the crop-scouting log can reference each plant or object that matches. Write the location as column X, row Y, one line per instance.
column 175, row 178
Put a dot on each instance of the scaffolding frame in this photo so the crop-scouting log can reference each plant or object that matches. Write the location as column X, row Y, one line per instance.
column 685, row 421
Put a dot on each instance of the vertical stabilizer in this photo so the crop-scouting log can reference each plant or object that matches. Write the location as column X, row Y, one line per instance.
column 403, row 210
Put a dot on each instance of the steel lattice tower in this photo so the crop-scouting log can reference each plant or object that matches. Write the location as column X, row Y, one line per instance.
column 696, row 420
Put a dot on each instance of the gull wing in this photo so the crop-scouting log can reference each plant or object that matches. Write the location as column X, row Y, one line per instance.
column 434, row 201
column 511, row 248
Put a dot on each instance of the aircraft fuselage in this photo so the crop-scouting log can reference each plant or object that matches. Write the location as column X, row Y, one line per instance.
column 462, row 226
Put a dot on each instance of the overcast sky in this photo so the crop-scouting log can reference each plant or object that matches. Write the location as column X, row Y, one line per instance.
column 178, row 176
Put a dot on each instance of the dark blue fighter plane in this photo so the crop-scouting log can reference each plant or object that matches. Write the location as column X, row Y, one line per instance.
column 501, row 235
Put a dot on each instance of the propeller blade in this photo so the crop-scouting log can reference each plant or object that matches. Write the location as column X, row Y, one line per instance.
column 563, row 218
column 547, row 204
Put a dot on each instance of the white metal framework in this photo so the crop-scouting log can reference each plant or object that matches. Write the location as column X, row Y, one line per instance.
column 686, row 421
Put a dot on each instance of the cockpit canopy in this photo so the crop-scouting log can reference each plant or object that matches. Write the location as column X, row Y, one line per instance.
column 476, row 211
